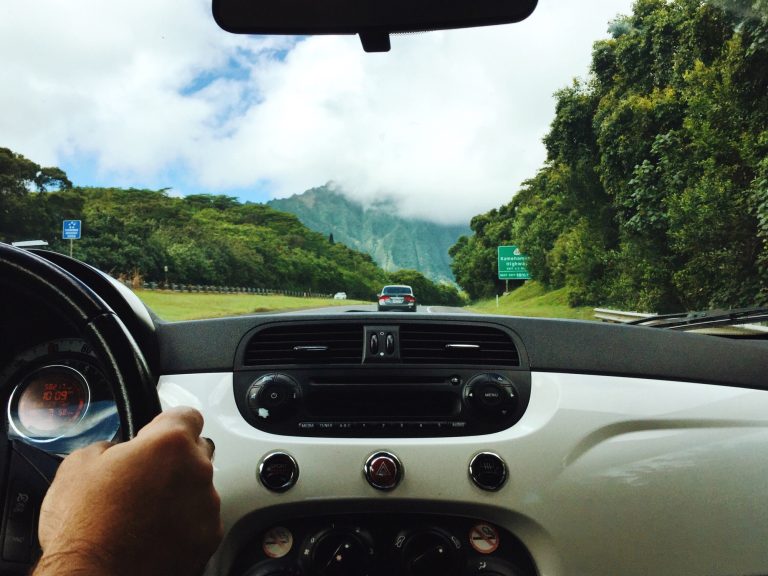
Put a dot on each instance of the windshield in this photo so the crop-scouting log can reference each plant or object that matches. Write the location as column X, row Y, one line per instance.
column 600, row 155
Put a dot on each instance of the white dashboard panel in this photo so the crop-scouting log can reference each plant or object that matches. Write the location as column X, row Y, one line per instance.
column 607, row 474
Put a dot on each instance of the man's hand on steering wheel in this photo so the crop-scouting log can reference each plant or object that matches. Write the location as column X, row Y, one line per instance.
column 146, row 506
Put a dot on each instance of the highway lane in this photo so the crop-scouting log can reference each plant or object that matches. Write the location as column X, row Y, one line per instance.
column 421, row 310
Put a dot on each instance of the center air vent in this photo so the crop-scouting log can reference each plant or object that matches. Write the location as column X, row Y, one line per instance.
column 306, row 344
column 457, row 344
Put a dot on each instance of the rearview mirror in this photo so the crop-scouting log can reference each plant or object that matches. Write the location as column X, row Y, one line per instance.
column 373, row 20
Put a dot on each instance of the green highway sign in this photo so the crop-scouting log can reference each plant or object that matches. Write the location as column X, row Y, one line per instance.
column 512, row 264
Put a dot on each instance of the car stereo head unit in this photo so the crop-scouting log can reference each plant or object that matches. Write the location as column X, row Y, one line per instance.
column 389, row 403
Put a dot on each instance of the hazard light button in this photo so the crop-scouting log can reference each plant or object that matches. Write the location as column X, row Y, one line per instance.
column 383, row 471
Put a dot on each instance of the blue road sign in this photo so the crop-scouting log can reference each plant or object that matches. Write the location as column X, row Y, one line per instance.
column 71, row 230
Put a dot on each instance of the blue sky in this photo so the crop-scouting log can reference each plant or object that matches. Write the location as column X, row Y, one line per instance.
column 153, row 95
column 83, row 170
column 231, row 70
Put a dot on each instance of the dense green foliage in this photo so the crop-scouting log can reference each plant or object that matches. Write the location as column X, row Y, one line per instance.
column 202, row 239
column 426, row 291
column 394, row 242
column 654, row 195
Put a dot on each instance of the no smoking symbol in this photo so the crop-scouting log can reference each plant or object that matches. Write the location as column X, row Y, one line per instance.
column 484, row 538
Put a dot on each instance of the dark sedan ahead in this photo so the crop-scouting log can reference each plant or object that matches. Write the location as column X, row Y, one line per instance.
column 397, row 297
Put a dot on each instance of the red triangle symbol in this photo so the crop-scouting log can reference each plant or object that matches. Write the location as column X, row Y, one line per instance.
column 383, row 470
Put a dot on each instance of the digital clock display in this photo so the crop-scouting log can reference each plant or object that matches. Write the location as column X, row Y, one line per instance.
column 52, row 400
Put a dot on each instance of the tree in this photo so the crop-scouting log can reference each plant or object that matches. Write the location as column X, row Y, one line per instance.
column 654, row 195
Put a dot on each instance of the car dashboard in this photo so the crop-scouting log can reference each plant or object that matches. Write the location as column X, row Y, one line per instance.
column 418, row 444
column 465, row 444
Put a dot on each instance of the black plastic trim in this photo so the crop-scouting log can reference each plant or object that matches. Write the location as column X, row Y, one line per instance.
column 568, row 346
column 128, row 307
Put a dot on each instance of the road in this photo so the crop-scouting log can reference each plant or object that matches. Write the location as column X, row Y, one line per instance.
column 420, row 311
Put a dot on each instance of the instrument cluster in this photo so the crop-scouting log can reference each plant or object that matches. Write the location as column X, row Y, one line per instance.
column 58, row 398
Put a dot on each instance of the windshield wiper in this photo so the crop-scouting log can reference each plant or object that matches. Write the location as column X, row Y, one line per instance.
column 705, row 318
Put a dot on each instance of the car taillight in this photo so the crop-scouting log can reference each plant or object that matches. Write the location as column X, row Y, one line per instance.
column 410, row 298
column 383, row 298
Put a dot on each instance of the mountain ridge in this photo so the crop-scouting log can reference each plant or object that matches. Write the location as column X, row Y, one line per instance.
column 392, row 241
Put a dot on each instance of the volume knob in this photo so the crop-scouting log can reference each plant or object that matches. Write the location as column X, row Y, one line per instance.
column 491, row 394
column 273, row 396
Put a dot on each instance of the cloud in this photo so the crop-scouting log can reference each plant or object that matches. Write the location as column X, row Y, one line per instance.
column 443, row 127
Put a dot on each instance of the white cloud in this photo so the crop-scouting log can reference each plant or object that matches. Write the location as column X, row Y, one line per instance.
column 446, row 124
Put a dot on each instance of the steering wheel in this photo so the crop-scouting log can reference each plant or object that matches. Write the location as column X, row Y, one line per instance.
column 26, row 471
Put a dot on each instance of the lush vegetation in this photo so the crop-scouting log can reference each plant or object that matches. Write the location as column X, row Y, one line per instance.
column 426, row 291
column 533, row 299
column 654, row 195
column 201, row 239
column 394, row 242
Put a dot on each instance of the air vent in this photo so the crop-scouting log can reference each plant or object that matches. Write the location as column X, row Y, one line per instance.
column 457, row 344
column 306, row 344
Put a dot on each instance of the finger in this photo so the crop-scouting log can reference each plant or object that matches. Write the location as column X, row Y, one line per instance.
column 90, row 452
column 99, row 447
column 189, row 419
column 208, row 446
column 188, row 416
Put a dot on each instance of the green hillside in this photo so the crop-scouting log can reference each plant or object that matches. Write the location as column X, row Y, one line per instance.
column 532, row 299
column 393, row 242
column 208, row 240
column 193, row 240
column 174, row 306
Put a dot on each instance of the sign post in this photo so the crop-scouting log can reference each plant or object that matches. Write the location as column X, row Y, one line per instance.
column 70, row 230
column 512, row 264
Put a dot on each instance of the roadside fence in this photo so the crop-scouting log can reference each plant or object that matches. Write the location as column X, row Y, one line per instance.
column 206, row 289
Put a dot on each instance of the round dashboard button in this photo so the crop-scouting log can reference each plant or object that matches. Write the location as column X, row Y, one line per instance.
column 278, row 471
column 488, row 471
column 383, row 471
column 491, row 395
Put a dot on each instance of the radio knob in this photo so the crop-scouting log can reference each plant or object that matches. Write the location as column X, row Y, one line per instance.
column 491, row 394
column 273, row 396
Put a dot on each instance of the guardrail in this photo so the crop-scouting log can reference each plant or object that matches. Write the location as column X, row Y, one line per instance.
column 200, row 288
column 622, row 317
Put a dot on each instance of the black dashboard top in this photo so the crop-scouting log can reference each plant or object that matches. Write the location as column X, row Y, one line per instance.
column 545, row 345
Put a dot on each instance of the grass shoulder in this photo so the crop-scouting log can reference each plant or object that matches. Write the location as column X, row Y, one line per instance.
column 532, row 299
column 176, row 306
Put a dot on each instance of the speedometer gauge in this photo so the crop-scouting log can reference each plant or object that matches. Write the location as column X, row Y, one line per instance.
column 59, row 397
column 51, row 401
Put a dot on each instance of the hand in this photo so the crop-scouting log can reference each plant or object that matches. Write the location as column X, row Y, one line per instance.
column 147, row 506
